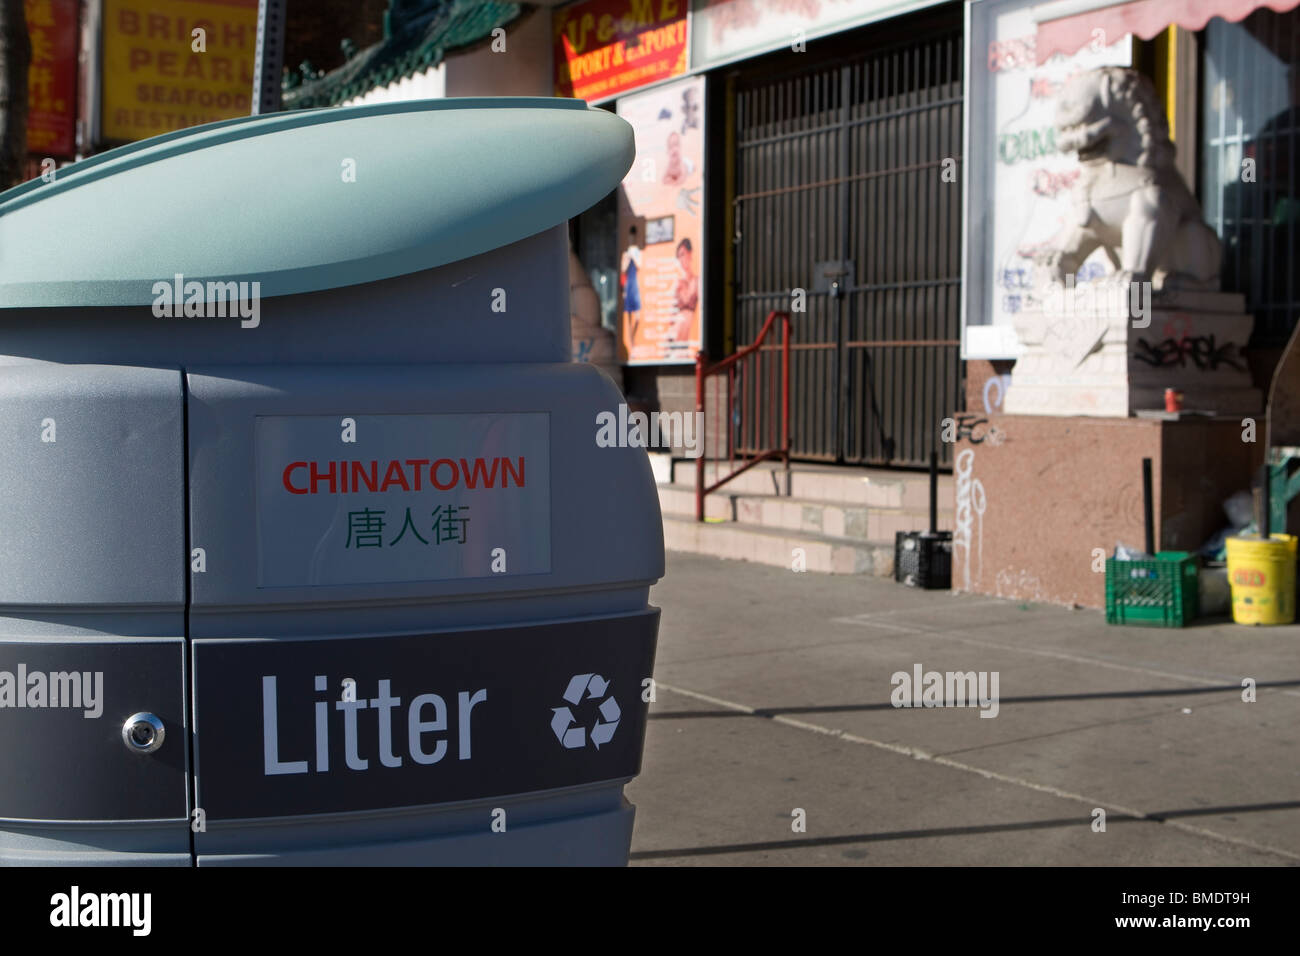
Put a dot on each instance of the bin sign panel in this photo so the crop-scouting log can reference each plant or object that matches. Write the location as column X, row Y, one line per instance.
column 1019, row 194
column 172, row 64
column 389, row 498
column 52, row 78
column 607, row 47
column 321, row 726
column 661, row 227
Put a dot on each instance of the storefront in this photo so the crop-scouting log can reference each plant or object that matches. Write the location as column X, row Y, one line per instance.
column 825, row 167
column 825, row 181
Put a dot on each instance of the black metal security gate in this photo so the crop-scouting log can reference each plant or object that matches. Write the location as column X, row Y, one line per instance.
column 848, row 186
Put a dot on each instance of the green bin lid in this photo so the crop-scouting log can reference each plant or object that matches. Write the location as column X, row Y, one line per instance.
column 265, row 198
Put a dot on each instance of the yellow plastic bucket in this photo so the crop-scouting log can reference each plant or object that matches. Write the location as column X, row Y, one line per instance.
column 1262, row 576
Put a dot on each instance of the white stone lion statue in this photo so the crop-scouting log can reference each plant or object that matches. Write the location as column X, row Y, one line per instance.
column 1129, row 199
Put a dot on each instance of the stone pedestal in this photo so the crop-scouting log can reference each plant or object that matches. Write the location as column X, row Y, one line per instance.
column 1033, row 512
column 1086, row 355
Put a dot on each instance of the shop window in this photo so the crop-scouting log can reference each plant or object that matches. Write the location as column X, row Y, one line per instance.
column 1250, row 188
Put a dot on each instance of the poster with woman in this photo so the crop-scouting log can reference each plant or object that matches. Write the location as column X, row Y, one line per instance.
column 661, row 226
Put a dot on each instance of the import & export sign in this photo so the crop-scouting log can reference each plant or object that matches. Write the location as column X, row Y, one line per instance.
column 607, row 47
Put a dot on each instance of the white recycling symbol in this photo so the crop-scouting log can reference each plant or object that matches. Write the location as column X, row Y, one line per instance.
column 563, row 721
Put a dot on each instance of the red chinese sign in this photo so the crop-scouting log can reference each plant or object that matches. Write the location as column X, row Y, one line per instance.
column 607, row 47
column 52, row 78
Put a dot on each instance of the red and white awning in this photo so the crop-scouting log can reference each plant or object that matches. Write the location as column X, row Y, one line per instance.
column 1069, row 25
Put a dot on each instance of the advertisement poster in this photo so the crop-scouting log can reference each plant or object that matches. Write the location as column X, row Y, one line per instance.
column 661, row 227
column 607, row 47
column 160, row 75
column 52, row 78
column 724, row 30
column 1019, row 187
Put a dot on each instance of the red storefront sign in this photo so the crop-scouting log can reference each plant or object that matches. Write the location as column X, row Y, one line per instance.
column 607, row 47
column 52, row 78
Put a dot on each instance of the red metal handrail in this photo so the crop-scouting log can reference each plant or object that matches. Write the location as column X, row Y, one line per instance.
column 732, row 364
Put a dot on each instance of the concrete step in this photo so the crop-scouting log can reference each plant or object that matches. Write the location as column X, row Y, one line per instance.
column 679, row 501
column 739, row 542
column 872, row 487
column 803, row 515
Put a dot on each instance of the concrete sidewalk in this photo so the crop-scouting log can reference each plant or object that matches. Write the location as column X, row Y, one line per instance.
column 773, row 693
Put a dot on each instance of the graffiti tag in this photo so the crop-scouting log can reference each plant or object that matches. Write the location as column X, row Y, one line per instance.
column 1027, row 144
column 998, row 385
column 1049, row 183
column 1204, row 352
column 967, row 424
column 971, row 504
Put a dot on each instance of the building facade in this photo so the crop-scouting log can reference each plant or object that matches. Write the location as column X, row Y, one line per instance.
column 885, row 170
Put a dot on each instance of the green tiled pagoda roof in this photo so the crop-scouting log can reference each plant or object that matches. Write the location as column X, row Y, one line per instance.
column 412, row 46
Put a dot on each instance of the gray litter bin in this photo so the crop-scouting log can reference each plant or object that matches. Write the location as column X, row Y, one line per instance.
column 308, row 553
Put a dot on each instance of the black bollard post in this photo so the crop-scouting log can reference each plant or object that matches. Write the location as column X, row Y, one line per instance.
column 1148, row 507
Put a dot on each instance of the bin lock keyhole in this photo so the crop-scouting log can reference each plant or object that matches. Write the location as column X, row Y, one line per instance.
column 143, row 733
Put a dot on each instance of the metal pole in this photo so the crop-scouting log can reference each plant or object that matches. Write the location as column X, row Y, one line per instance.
column 1265, row 503
column 729, row 426
column 934, row 491
column 90, row 57
column 1148, row 507
column 269, row 62
column 704, row 445
column 785, row 396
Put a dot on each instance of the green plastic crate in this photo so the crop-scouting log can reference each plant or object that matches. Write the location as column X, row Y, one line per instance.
column 1161, row 592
